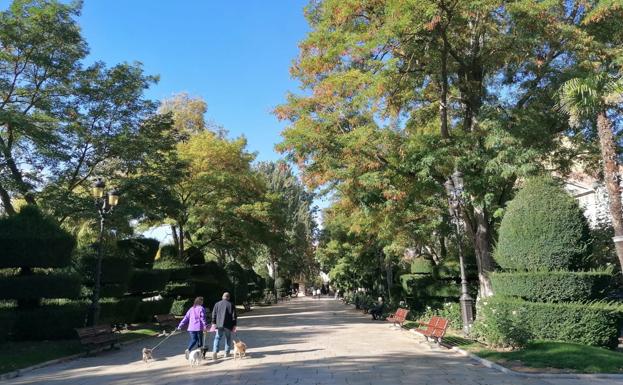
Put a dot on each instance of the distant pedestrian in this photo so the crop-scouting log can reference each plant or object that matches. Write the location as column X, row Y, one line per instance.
column 195, row 320
column 224, row 319
column 377, row 309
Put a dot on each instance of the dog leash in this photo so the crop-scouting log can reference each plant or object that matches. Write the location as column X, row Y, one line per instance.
column 165, row 338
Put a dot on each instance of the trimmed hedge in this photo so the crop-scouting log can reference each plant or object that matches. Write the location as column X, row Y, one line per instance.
column 49, row 322
column 113, row 290
column 122, row 310
column 194, row 256
column 142, row 251
column 422, row 266
column 543, row 229
column 8, row 317
column 181, row 306
column 53, row 285
column 507, row 321
column 148, row 281
column 148, row 309
column 175, row 290
column 115, row 269
column 31, row 239
column 554, row 286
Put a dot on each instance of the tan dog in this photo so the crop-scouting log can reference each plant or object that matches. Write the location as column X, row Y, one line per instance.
column 147, row 355
column 240, row 349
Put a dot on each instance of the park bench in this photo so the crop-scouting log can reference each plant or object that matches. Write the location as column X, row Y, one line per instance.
column 166, row 321
column 97, row 336
column 435, row 329
column 399, row 317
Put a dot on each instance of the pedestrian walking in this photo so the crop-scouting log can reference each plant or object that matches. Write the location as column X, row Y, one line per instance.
column 195, row 321
column 224, row 320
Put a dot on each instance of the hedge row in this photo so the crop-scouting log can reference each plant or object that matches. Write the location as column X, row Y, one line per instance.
column 180, row 307
column 512, row 322
column 53, row 285
column 49, row 322
column 176, row 290
column 553, row 286
column 115, row 269
column 142, row 251
column 148, row 281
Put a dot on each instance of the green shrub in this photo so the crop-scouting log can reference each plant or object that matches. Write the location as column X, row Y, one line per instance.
column 142, row 251
column 422, row 265
column 8, row 317
column 543, row 229
column 50, row 322
column 180, row 307
column 211, row 292
column 40, row 285
column 239, row 278
column 115, row 269
column 177, row 290
column 148, row 309
column 449, row 310
column 169, row 252
column 113, row 289
column 31, row 239
column 148, row 281
column 119, row 310
column 194, row 256
column 552, row 286
column 508, row 321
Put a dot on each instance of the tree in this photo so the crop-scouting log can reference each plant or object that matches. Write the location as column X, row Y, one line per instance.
column 410, row 91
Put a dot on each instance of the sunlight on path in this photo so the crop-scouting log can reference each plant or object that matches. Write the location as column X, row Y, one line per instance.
column 300, row 342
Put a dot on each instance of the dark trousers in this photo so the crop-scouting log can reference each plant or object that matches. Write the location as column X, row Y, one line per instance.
column 196, row 338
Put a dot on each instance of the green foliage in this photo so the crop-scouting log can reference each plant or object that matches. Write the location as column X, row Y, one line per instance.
column 40, row 285
column 511, row 322
column 180, row 307
column 422, row 266
column 119, row 310
column 142, row 251
column 449, row 310
column 145, row 281
column 552, row 286
column 168, row 252
column 179, row 290
column 49, row 322
column 31, row 239
column 148, row 309
column 543, row 229
column 240, row 282
column 194, row 256
column 115, row 269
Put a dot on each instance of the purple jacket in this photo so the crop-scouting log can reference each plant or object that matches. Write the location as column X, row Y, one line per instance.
column 195, row 318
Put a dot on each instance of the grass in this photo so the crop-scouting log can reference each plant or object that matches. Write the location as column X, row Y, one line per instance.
column 559, row 355
column 547, row 356
column 21, row 354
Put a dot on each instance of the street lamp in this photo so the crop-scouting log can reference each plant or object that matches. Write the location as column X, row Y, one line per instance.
column 105, row 204
column 454, row 188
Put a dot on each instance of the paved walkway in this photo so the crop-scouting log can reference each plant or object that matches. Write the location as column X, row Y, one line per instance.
column 303, row 342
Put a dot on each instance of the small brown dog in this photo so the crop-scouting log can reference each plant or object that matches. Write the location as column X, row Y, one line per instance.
column 240, row 349
column 147, row 355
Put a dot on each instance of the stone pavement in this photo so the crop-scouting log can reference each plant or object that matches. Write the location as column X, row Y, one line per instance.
column 304, row 341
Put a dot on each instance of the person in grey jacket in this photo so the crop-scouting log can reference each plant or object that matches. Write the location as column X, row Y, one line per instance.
column 224, row 320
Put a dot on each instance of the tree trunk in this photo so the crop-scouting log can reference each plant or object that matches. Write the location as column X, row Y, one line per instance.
column 480, row 233
column 611, row 178
column 176, row 240
column 6, row 202
column 180, row 249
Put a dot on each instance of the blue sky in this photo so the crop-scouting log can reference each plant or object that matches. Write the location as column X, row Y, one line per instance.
column 234, row 54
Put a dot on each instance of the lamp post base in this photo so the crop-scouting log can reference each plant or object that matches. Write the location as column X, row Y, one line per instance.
column 467, row 312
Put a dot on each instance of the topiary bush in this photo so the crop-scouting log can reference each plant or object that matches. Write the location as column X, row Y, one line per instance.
column 180, row 307
column 179, row 290
column 507, row 321
column 421, row 265
column 31, row 239
column 40, row 285
column 142, row 251
column 119, row 310
column 148, row 309
column 50, row 322
column 543, row 229
column 552, row 286
column 145, row 281
column 194, row 256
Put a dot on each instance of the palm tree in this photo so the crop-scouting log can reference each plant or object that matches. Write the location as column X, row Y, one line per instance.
column 592, row 98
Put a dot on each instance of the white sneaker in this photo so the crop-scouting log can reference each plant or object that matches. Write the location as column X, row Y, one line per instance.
column 214, row 356
column 186, row 354
column 227, row 354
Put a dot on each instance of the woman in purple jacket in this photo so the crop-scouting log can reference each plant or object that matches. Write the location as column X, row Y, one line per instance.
column 195, row 319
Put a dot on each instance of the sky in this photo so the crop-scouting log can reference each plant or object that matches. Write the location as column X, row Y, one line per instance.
column 234, row 54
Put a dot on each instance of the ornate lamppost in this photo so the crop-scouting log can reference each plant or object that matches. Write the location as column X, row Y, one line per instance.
column 454, row 188
column 105, row 204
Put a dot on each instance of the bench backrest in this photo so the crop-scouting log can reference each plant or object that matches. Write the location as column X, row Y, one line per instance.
column 94, row 331
column 440, row 328
column 401, row 314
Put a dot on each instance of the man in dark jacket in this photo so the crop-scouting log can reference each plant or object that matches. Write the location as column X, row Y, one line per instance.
column 224, row 320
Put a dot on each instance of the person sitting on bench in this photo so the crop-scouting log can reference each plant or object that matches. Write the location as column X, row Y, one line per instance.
column 377, row 309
